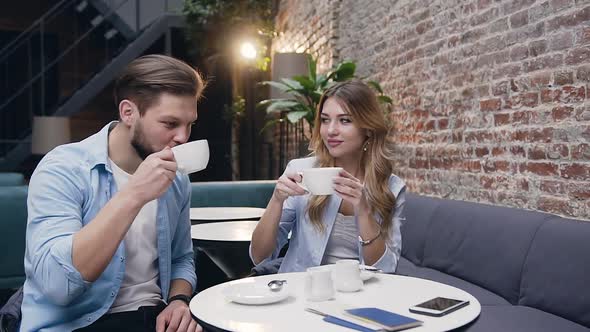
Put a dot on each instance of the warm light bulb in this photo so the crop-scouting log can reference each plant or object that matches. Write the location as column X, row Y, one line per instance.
column 248, row 50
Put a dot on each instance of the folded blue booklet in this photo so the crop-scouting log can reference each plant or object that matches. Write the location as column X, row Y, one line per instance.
column 389, row 320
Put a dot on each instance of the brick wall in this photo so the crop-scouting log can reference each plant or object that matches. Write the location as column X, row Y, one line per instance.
column 491, row 95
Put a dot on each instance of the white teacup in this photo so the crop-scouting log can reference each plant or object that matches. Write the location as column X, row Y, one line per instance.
column 347, row 275
column 192, row 156
column 319, row 181
column 318, row 284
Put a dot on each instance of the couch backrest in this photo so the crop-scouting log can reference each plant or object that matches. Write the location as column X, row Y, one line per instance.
column 232, row 193
column 13, row 225
column 11, row 179
column 483, row 244
column 557, row 270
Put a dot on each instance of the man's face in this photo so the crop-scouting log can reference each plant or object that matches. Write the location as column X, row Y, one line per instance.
column 166, row 123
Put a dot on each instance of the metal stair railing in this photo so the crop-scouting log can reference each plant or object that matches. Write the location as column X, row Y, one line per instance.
column 40, row 64
column 37, row 81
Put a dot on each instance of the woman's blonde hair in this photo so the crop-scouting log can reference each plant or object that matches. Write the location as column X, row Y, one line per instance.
column 360, row 102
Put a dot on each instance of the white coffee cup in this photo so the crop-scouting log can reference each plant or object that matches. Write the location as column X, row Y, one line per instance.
column 192, row 156
column 347, row 275
column 318, row 284
column 319, row 181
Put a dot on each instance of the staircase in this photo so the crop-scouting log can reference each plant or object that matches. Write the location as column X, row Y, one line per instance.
column 67, row 57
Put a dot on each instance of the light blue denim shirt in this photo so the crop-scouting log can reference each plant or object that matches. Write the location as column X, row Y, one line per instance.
column 307, row 244
column 67, row 190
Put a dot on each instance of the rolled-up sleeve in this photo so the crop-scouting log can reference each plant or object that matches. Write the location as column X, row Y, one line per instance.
column 54, row 206
column 393, row 245
column 183, row 265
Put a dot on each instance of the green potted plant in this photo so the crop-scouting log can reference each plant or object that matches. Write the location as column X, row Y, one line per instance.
column 305, row 92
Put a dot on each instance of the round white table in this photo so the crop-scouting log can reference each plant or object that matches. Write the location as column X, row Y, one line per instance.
column 227, row 231
column 384, row 291
column 209, row 214
column 226, row 244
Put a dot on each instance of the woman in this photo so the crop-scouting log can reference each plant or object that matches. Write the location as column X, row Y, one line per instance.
column 362, row 221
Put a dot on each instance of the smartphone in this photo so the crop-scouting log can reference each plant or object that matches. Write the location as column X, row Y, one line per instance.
column 438, row 306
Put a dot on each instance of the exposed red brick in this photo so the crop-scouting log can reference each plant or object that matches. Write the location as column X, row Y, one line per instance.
column 443, row 124
column 536, row 153
column 490, row 105
column 496, row 166
column 581, row 152
column 550, row 95
column 572, row 94
column 563, row 77
column 541, row 168
column 553, row 187
column 579, row 191
column 481, row 151
column 501, row 119
column 576, row 171
column 577, row 56
column 560, row 113
column 517, row 151
column 556, row 205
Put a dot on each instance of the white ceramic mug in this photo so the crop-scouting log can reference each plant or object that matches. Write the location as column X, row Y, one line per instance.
column 192, row 156
column 347, row 275
column 319, row 180
column 318, row 284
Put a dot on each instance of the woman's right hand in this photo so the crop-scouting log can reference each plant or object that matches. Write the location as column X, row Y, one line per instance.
column 287, row 186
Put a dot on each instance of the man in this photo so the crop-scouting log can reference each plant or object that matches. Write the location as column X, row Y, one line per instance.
column 108, row 232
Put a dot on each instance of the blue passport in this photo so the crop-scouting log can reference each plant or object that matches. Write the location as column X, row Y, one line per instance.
column 389, row 320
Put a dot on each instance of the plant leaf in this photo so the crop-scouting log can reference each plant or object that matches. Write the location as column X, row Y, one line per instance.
column 269, row 124
column 376, row 86
column 281, row 86
column 385, row 99
column 305, row 82
column 344, row 71
column 294, row 85
column 295, row 116
column 284, row 105
column 262, row 105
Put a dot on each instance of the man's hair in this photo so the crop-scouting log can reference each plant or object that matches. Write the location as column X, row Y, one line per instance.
column 147, row 77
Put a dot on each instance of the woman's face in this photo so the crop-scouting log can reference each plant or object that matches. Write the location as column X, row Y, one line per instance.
column 342, row 137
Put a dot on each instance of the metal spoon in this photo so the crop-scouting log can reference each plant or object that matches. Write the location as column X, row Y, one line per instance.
column 276, row 285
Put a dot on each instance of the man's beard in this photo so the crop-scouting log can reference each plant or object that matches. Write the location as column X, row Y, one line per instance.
column 138, row 142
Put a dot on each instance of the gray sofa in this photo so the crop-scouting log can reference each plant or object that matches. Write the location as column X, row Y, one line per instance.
column 529, row 270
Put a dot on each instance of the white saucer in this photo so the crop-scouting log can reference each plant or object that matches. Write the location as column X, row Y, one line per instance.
column 254, row 293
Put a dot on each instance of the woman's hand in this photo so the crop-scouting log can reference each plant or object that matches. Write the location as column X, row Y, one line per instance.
column 287, row 186
column 350, row 189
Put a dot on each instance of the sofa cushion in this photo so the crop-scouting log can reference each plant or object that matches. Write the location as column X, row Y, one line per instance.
column 419, row 212
column 556, row 272
column 11, row 179
column 521, row 319
column 483, row 244
column 13, row 225
column 232, row 193
column 485, row 297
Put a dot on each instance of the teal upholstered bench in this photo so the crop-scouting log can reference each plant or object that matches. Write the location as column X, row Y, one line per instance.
column 13, row 224
column 232, row 193
column 11, row 179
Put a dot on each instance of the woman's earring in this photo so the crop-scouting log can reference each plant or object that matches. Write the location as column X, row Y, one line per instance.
column 365, row 146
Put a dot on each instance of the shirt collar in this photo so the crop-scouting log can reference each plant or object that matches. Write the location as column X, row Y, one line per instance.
column 98, row 149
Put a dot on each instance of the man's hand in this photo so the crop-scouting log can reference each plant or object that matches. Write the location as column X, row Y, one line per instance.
column 176, row 317
column 153, row 176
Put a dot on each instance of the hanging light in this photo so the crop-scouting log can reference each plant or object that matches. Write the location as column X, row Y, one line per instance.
column 248, row 51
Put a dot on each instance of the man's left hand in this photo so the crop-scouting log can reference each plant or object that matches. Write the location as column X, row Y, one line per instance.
column 177, row 317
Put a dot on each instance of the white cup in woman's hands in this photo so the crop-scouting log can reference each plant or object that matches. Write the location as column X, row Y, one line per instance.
column 319, row 180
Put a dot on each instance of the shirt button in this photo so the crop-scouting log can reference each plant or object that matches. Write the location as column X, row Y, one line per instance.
column 112, row 293
column 122, row 258
column 89, row 319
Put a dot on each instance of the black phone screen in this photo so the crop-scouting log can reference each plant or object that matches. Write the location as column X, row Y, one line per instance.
column 439, row 303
